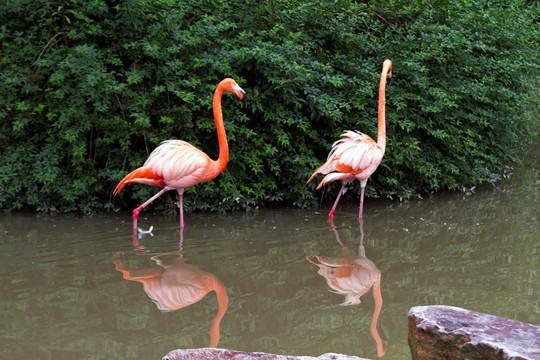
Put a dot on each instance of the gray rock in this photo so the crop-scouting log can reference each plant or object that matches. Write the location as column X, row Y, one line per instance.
column 445, row 332
column 223, row 354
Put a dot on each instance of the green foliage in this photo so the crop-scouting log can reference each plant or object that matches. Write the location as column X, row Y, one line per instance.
column 471, row 70
column 89, row 88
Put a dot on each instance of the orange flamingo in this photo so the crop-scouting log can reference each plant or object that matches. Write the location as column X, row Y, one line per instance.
column 176, row 164
column 356, row 155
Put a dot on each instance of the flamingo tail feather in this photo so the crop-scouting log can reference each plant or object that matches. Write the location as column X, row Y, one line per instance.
column 142, row 175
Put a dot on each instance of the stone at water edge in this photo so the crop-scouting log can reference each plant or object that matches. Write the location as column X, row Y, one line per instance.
column 224, row 354
column 446, row 332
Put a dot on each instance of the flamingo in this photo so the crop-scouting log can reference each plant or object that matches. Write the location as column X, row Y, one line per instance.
column 356, row 155
column 176, row 164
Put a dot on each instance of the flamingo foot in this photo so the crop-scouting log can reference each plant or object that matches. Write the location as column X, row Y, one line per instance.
column 136, row 212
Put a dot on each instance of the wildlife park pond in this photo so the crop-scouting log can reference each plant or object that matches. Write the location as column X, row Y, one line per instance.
column 275, row 280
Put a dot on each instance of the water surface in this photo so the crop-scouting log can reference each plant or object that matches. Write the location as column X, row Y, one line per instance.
column 82, row 287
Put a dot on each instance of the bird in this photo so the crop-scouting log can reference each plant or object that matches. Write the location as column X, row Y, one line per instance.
column 176, row 164
column 356, row 155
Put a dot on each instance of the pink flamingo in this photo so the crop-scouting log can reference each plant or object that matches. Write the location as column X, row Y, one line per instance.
column 356, row 155
column 176, row 164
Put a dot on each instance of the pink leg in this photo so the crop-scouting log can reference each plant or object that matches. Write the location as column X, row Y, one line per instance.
column 331, row 214
column 361, row 212
column 139, row 208
column 361, row 223
column 180, row 204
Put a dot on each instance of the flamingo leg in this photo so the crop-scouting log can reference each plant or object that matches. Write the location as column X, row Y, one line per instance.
column 138, row 209
column 361, row 212
column 181, row 205
column 331, row 214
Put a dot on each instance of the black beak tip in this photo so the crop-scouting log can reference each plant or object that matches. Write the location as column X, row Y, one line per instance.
column 244, row 100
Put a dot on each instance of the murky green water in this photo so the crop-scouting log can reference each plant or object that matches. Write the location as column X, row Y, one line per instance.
column 82, row 288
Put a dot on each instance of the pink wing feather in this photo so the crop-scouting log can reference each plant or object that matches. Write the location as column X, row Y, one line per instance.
column 175, row 163
column 355, row 155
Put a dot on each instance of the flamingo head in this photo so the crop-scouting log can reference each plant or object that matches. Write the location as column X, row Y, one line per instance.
column 229, row 85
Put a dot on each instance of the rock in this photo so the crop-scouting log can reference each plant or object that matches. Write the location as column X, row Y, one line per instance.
column 445, row 332
column 223, row 354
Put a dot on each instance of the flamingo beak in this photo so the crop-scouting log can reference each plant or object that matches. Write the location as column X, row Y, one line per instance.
column 241, row 94
column 244, row 98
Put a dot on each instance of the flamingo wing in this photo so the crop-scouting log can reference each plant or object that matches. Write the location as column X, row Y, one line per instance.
column 174, row 160
column 175, row 163
column 354, row 154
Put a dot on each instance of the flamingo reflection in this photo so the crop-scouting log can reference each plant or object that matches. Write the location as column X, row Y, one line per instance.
column 353, row 276
column 175, row 284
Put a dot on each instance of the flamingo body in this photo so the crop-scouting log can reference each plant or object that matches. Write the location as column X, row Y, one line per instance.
column 176, row 164
column 356, row 155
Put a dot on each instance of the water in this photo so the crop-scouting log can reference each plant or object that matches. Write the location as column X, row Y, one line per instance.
column 82, row 287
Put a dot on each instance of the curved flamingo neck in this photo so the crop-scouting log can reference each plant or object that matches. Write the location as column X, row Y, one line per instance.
column 223, row 158
column 381, row 133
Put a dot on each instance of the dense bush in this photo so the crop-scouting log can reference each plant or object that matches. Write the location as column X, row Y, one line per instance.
column 89, row 87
